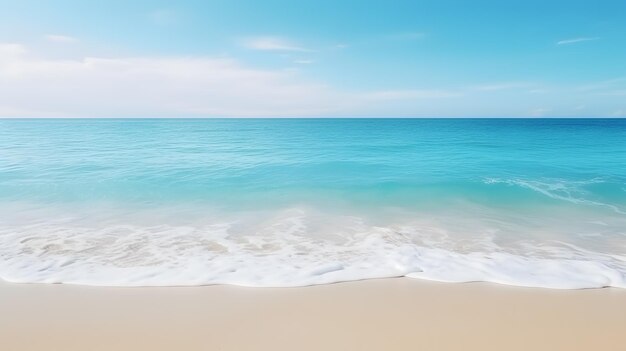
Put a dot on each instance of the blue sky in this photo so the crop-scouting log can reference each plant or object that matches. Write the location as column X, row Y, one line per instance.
column 312, row 58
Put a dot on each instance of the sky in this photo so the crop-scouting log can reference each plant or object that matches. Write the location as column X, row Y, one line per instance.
column 230, row 58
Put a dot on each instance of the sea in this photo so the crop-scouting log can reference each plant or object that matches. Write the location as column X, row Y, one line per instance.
column 297, row 202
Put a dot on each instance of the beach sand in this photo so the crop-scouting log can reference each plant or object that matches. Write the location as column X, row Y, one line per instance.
column 386, row 314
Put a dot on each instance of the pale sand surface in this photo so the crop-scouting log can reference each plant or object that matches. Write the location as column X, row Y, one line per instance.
column 387, row 314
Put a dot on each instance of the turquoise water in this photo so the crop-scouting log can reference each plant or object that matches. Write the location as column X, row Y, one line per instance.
column 287, row 202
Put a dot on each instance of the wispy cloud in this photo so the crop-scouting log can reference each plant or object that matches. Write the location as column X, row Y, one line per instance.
column 58, row 38
column 576, row 40
column 10, row 50
column 304, row 62
column 272, row 44
column 181, row 86
column 153, row 86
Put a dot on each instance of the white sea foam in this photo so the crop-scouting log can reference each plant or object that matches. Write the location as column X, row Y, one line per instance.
column 558, row 189
column 293, row 247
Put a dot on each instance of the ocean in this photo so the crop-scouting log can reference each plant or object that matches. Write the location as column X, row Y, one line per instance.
column 294, row 202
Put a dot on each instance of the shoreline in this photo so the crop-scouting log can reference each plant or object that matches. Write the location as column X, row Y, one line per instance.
column 380, row 314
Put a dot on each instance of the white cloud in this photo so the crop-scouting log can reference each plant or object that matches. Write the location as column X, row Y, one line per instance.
column 153, row 86
column 272, row 44
column 304, row 62
column 11, row 50
column 181, row 87
column 57, row 38
column 576, row 40
column 11, row 112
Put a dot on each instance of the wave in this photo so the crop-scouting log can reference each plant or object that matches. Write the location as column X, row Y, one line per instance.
column 559, row 189
column 290, row 248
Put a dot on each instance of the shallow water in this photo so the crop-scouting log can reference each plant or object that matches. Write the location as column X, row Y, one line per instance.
column 289, row 202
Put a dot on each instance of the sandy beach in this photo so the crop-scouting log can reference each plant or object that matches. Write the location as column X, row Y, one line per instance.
column 386, row 314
